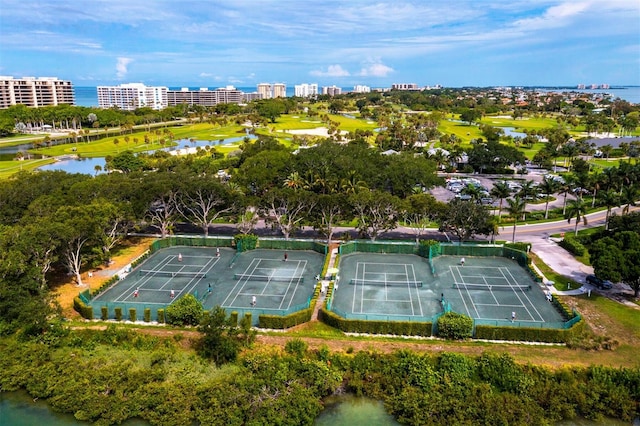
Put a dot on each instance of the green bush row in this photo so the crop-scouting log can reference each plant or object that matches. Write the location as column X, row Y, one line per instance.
column 572, row 245
column 82, row 308
column 398, row 328
column 566, row 311
column 283, row 322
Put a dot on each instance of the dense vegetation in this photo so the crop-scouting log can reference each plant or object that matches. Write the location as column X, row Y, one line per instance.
column 109, row 376
column 53, row 223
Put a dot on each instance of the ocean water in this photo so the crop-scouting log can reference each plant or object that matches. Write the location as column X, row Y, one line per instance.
column 88, row 95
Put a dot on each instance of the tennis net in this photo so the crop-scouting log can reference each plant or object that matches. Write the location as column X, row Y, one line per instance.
column 515, row 287
column 357, row 281
column 144, row 272
column 279, row 278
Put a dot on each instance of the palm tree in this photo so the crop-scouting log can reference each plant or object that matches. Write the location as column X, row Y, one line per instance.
column 515, row 207
column 609, row 199
column 577, row 208
column 529, row 191
column 548, row 186
column 628, row 196
column 473, row 191
column 97, row 168
column 500, row 191
column 294, row 181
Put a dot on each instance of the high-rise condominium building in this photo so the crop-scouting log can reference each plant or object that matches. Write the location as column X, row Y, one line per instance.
column 331, row 90
column 404, row 86
column 204, row 96
column 268, row 90
column 131, row 96
column 265, row 91
column 305, row 90
column 359, row 88
column 279, row 90
column 35, row 92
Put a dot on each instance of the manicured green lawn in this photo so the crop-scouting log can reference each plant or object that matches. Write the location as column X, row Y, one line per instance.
column 461, row 130
column 8, row 168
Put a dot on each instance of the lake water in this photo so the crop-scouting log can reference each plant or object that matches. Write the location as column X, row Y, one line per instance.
column 88, row 165
column 350, row 410
column 19, row 409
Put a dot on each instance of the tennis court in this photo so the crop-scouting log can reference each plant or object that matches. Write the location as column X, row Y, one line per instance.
column 402, row 287
column 274, row 282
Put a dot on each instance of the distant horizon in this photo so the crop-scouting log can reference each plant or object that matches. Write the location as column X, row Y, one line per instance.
column 454, row 43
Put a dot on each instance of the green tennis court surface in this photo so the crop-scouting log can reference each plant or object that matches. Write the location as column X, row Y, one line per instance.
column 256, row 281
column 401, row 287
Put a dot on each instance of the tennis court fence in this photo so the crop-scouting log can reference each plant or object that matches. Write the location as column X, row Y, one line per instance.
column 191, row 241
column 431, row 251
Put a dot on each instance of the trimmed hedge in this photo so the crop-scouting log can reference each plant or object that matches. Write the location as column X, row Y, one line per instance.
column 160, row 315
column 572, row 245
column 133, row 315
column 283, row 322
column 398, row 328
column 83, row 309
column 104, row 313
column 453, row 325
column 147, row 314
column 118, row 312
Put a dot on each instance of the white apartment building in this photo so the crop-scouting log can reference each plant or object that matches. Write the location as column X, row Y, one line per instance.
column 359, row 88
column 131, row 96
column 35, row 92
column 204, row 96
column 305, row 90
column 331, row 90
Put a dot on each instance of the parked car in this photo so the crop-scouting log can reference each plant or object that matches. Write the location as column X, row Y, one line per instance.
column 598, row 282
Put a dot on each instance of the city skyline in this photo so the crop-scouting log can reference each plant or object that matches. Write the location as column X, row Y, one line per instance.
column 244, row 43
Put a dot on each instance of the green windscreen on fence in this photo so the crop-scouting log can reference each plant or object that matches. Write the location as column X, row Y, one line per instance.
column 387, row 247
column 196, row 241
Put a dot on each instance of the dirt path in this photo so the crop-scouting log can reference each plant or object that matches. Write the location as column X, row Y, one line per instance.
column 67, row 289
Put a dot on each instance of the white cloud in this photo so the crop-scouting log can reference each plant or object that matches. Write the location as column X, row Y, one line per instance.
column 376, row 69
column 205, row 74
column 121, row 67
column 332, row 71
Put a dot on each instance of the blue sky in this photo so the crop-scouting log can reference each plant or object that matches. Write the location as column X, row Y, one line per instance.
column 241, row 42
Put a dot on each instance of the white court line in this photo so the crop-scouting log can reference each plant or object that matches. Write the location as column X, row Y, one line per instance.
column 520, row 299
column 233, row 292
column 464, row 302
column 297, row 282
column 527, row 297
column 136, row 283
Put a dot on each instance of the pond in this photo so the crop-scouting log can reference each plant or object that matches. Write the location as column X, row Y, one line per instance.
column 347, row 410
column 88, row 165
column 19, row 409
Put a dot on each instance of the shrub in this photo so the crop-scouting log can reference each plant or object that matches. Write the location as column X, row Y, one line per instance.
column 118, row 312
column 160, row 316
column 185, row 311
column 455, row 326
column 296, row 347
column 104, row 313
column 133, row 316
column 147, row 314
column 246, row 241
column 572, row 245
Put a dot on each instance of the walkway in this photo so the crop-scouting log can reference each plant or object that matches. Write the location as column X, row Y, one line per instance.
column 333, row 247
